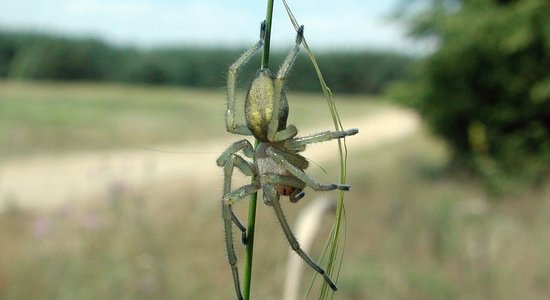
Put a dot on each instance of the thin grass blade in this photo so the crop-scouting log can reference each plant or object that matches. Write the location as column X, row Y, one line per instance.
column 332, row 255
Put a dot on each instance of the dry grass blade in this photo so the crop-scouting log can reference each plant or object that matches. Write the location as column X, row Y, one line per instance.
column 332, row 254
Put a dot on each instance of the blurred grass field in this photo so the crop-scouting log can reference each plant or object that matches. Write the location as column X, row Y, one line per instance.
column 59, row 117
column 415, row 229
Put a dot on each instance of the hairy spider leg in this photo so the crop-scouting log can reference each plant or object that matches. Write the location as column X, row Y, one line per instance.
column 288, row 181
column 246, row 168
column 278, row 157
column 243, row 145
column 300, row 143
column 232, row 82
column 300, row 177
column 227, row 213
column 274, row 197
column 273, row 132
column 292, row 55
column 229, row 160
column 293, row 157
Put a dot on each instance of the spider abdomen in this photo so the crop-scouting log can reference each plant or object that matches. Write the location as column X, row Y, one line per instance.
column 259, row 105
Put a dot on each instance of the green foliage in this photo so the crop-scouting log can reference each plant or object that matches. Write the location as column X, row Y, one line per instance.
column 46, row 57
column 53, row 58
column 486, row 90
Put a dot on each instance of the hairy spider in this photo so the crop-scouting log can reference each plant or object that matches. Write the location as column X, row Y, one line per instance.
column 278, row 167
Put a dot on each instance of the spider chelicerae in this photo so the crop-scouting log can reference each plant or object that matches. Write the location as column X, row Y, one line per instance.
column 276, row 163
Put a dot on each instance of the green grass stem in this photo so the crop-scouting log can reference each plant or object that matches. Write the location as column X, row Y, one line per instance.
column 247, row 277
column 267, row 40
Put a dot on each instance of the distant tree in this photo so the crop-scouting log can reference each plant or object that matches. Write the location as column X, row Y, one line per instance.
column 486, row 89
column 8, row 50
column 52, row 58
column 11, row 45
column 48, row 57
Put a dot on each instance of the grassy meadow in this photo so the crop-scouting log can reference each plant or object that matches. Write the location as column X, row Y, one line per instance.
column 415, row 228
column 58, row 118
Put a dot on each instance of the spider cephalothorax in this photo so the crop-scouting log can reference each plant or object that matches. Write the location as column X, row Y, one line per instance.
column 276, row 162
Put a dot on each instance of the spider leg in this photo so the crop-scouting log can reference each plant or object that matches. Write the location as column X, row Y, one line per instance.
column 244, row 145
column 295, row 159
column 230, row 161
column 237, row 222
column 278, row 157
column 291, row 57
column 288, row 181
column 232, row 82
column 274, row 134
column 299, row 144
column 227, row 213
column 272, row 193
column 235, row 161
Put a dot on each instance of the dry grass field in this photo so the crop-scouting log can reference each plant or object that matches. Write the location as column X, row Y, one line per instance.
column 415, row 228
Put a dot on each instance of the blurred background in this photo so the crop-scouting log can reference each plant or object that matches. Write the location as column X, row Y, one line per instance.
column 112, row 116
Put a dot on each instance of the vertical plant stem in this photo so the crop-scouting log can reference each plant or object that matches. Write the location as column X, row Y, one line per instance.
column 247, row 277
column 250, row 244
column 267, row 41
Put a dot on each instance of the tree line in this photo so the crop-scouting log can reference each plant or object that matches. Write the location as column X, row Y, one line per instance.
column 33, row 56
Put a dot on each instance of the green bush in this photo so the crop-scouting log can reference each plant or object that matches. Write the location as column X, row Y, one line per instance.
column 486, row 89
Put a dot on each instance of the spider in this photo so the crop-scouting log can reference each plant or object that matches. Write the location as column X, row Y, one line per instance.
column 276, row 164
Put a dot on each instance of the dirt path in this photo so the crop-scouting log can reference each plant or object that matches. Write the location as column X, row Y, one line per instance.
column 45, row 182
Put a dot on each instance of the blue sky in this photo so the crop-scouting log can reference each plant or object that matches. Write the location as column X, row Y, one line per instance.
column 343, row 24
